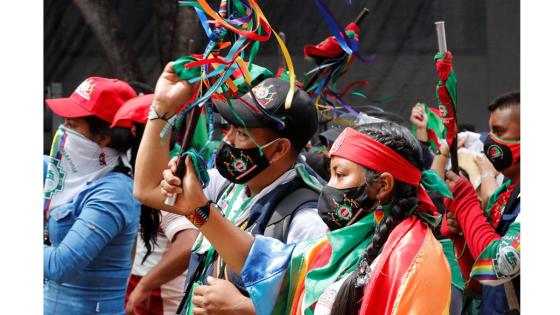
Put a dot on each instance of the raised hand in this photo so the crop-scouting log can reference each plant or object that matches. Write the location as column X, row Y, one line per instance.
column 171, row 92
column 418, row 116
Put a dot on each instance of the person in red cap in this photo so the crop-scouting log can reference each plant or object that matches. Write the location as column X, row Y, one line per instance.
column 91, row 216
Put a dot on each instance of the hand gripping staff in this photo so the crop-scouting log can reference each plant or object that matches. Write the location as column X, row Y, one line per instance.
column 244, row 22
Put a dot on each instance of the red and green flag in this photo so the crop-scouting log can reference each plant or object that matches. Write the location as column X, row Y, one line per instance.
column 446, row 93
column 436, row 129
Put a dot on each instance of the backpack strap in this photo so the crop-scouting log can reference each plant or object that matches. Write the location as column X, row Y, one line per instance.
column 285, row 210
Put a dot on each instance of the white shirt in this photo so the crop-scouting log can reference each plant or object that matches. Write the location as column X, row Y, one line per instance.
column 172, row 291
column 305, row 225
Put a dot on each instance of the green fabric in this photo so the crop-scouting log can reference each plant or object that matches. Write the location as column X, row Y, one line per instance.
column 429, row 218
column 186, row 73
column 200, row 134
column 199, row 166
column 456, row 276
column 451, row 85
column 258, row 74
column 285, row 75
column 189, row 310
column 348, row 245
column 175, row 151
column 431, row 181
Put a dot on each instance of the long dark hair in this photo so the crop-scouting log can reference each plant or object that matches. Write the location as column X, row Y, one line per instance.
column 404, row 198
column 123, row 139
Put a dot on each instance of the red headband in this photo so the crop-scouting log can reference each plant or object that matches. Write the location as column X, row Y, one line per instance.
column 374, row 155
column 363, row 150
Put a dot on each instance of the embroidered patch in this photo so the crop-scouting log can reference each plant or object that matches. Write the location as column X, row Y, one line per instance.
column 263, row 94
column 507, row 262
column 344, row 212
column 85, row 89
column 239, row 165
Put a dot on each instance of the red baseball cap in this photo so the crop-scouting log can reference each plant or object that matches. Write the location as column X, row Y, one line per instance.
column 100, row 97
column 136, row 109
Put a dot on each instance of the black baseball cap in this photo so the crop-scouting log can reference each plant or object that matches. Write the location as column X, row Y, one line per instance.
column 300, row 120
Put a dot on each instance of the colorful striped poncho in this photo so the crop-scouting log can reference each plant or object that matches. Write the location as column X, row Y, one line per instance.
column 411, row 274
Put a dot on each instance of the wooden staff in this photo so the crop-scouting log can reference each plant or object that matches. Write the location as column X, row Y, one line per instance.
column 192, row 119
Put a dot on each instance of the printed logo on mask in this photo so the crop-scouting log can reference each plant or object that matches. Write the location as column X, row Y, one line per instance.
column 443, row 110
column 263, row 94
column 495, row 152
column 85, row 89
column 54, row 178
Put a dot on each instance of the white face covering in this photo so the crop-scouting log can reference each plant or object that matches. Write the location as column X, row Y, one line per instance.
column 74, row 161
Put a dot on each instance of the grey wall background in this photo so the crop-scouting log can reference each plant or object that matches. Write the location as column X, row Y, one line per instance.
column 484, row 37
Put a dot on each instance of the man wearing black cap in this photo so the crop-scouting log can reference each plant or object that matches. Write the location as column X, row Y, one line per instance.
column 257, row 183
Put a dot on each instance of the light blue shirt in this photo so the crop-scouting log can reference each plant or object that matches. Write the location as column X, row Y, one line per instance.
column 87, row 266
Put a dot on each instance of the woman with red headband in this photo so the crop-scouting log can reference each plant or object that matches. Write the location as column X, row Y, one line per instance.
column 380, row 256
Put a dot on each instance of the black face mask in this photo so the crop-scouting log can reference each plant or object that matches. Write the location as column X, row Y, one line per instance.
column 240, row 165
column 501, row 153
column 339, row 207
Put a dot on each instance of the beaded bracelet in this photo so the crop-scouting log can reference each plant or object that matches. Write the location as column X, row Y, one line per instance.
column 200, row 215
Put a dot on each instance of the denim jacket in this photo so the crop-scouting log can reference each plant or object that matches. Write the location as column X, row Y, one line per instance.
column 87, row 266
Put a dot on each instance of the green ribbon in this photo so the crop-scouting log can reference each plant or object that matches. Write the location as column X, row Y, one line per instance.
column 258, row 74
column 186, row 73
column 199, row 166
column 431, row 181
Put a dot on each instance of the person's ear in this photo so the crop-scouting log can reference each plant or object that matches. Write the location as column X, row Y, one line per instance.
column 281, row 148
column 382, row 189
column 102, row 140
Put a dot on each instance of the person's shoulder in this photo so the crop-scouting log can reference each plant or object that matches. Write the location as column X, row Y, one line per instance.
column 110, row 183
column 115, row 178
